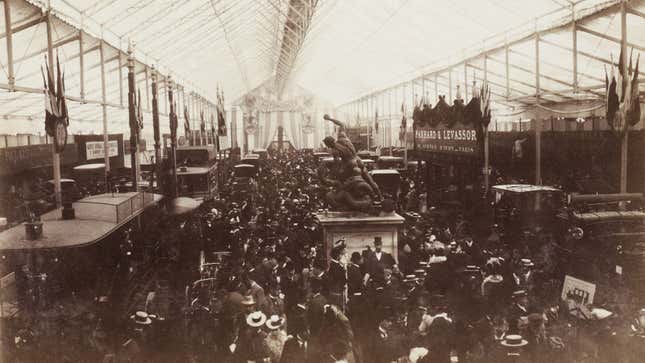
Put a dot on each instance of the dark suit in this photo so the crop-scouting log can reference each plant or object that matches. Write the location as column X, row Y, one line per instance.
column 336, row 281
column 316, row 312
column 514, row 315
column 295, row 351
column 354, row 279
column 377, row 265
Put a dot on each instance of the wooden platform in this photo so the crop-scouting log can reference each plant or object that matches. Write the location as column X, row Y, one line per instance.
column 96, row 218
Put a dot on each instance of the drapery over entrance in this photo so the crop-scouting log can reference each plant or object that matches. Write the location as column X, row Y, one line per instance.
column 295, row 109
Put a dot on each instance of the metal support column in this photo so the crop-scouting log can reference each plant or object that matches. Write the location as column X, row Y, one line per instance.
column 436, row 88
column 173, row 136
column 506, row 72
column 155, row 126
column 81, row 63
column 120, row 65
column 538, row 121
column 134, row 123
column 574, row 47
column 465, row 82
column 147, row 71
column 450, row 86
column 625, row 140
column 106, row 148
column 9, row 35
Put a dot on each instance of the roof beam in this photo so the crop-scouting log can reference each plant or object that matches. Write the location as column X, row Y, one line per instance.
column 24, row 26
column 60, row 43
column 588, row 55
column 520, row 39
column 607, row 37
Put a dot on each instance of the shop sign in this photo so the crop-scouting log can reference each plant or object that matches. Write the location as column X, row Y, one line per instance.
column 19, row 158
column 581, row 291
column 446, row 140
column 95, row 149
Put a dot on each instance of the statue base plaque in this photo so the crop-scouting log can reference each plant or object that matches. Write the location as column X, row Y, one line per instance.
column 359, row 229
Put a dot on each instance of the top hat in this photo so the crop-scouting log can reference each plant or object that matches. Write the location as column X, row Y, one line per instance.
column 256, row 319
column 378, row 240
column 514, row 340
column 141, row 318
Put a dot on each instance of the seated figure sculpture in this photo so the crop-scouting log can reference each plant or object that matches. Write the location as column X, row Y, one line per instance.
column 354, row 188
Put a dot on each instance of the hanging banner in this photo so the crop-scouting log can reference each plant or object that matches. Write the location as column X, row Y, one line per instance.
column 95, row 149
column 447, row 140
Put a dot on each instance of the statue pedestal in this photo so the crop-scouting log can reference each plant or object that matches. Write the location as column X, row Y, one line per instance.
column 359, row 229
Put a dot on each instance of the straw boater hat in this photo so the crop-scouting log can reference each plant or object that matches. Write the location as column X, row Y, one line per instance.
column 141, row 318
column 256, row 319
column 274, row 322
column 410, row 278
column 248, row 301
column 526, row 262
column 514, row 341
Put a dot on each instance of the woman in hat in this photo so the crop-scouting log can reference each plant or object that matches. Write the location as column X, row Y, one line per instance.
column 252, row 345
column 276, row 337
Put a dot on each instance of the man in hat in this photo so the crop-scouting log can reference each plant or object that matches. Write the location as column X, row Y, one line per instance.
column 315, row 307
column 337, row 275
column 523, row 278
column 518, row 312
column 512, row 349
column 354, row 274
column 296, row 347
column 379, row 259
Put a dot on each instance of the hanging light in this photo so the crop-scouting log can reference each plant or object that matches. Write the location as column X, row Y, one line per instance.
column 580, row 120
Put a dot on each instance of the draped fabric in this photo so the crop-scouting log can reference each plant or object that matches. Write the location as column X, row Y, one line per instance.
column 295, row 131
column 286, row 130
column 270, row 125
column 315, row 120
column 269, row 129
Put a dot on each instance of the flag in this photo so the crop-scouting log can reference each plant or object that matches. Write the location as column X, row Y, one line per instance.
column 404, row 123
column 55, row 103
column 139, row 113
column 212, row 121
column 186, row 123
column 221, row 113
column 376, row 121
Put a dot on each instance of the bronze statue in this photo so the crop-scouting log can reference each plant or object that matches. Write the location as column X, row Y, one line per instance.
column 354, row 188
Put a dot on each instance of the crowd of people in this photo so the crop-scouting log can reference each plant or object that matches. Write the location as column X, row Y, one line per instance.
column 275, row 296
column 258, row 285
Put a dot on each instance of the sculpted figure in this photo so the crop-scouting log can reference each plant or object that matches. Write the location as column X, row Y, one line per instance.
column 354, row 187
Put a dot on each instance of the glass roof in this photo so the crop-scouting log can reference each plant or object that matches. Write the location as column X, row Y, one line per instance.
column 339, row 50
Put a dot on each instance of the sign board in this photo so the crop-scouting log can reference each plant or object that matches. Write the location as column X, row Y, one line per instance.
column 95, row 149
column 17, row 159
column 447, row 140
column 7, row 280
column 577, row 289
